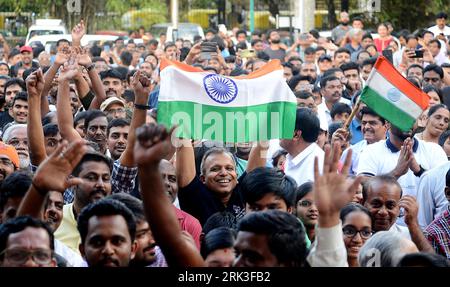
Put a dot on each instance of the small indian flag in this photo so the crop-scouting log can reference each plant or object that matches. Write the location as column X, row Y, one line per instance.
column 254, row 107
column 392, row 96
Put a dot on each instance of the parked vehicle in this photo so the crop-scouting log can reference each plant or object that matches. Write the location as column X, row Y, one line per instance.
column 186, row 31
column 46, row 27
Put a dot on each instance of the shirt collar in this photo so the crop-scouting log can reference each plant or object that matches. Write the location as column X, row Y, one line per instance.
column 393, row 149
column 301, row 156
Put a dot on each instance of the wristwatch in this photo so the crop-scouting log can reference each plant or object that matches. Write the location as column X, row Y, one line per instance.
column 142, row 107
column 420, row 172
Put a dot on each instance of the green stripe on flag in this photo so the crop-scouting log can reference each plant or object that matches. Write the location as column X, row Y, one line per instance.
column 229, row 124
column 387, row 109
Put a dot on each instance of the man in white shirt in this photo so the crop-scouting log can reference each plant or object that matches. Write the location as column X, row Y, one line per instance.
column 331, row 89
column 382, row 195
column 374, row 130
column 430, row 194
column 402, row 157
column 440, row 27
column 302, row 148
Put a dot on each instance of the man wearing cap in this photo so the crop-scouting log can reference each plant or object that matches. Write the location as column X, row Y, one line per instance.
column 114, row 108
column 9, row 161
column 324, row 62
column 27, row 60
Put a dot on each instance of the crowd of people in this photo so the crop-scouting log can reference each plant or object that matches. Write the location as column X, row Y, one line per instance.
column 90, row 179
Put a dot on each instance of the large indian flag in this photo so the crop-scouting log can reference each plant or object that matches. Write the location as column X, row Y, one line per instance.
column 258, row 106
column 392, row 96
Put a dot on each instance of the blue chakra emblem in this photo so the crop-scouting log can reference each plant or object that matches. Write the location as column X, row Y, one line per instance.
column 220, row 89
column 394, row 95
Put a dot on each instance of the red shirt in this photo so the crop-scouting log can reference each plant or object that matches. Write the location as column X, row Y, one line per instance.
column 382, row 44
column 190, row 224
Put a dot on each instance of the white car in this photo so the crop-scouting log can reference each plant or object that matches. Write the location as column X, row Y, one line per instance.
column 186, row 31
column 46, row 27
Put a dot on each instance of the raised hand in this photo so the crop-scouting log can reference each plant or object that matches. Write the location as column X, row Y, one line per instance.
column 35, row 83
column 77, row 33
column 193, row 54
column 53, row 173
column 153, row 143
column 409, row 203
column 69, row 70
column 141, row 84
column 83, row 57
column 63, row 57
column 332, row 190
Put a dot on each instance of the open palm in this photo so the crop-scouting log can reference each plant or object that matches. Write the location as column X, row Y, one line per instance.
column 53, row 173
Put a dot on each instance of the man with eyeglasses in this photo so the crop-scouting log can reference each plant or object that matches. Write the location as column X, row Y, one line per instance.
column 16, row 135
column 26, row 242
column 114, row 108
column 433, row 75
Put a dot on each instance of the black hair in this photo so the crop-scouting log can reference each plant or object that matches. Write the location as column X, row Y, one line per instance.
column 357, row 18
column 50, row 130
column 437, row 42
column 414, row 66
column 415, row 81
column 263, row 56
column 92, row 156
column 353, row 207
column 62, row 41
column 310, row 51
column 78, row 117
column 349, row 66
column 370, row 61
column 320, row 48
column 134, row 204
column 368, row 111
column 105, row 207
column 423, row 259
column 443, row 137
column 111, row 73
column 388, row 179
column 14, row 186
column 19, row 224
column 342, row 50
column 435, row 68
column 276, row 156
column 241, row 32
column 340, row 108
column 293, row 82
column 218, row 238
column 441, row 15
column 168, row 45
column 303, row 190
column 266, row 180
column 303, row 95
column 48, row 118
column 325, row 80
column 285, row 235
column 333, row 127
column 366, row 35
column 435, row 108
column 412, row 36
column 308, row 123
column 220, row 219
column 126, row 58
column 255, row 41
column 238, row 72
column 95, row 50
column 22, row 96
column 92, row 115
column 128, row 95
column 14, row 81
column 331, row 72
column 117, row 123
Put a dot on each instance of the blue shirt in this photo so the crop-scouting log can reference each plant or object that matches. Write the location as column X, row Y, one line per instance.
column 153, row 98
column 355, row 129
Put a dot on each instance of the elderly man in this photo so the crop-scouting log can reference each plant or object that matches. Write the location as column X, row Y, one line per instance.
column 16, row 135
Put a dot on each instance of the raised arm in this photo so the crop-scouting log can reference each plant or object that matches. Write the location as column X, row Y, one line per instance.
column 60, row 59
column 152, row 145
column 52, row 175
column 185, row 163
column 35, row 84
column 142, row 87
column 77, row 34
column 257, row 156
column 64, row 111
column 97, row 86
